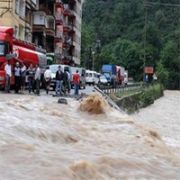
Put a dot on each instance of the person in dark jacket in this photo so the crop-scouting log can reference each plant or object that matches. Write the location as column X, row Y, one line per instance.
column 67, row 83
column 31, row 73
column 59, row 81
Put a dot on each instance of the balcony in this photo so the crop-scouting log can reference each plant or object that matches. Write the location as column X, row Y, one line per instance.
column 50, row 26
column 59, row 9
column 59, row 2
column 39, row 21
column 47, row 6
column 67, row 28
column 68, row 39
column 32, row 4
column 68, row 11
column 39, row 18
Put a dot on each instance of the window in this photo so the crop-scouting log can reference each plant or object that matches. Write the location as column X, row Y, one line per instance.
column 17, row 6
column 16, row 32
column 2, row 49
column 22, row 8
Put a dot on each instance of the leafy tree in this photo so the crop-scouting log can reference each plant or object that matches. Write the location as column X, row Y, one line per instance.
column 120, row 25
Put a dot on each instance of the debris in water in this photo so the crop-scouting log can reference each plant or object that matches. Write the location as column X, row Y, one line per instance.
column 154, row 134
column 62, row 101
column 84, row 170
column 94, row 104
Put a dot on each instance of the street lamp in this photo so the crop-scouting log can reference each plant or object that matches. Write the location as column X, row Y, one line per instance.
column 93, row 58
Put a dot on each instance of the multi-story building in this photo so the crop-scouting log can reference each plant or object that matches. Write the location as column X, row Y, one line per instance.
column 44, row 25
column 68, row 14
column 52, row 24
column 17, row 14
column 31, row 6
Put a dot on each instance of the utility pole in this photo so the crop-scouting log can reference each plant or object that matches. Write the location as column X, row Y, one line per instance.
column 145, row 34
column 93, row 59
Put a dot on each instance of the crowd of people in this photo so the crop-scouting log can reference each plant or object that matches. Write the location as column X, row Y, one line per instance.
column 32, row 78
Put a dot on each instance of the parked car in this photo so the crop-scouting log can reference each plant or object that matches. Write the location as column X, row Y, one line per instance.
column 103, row 80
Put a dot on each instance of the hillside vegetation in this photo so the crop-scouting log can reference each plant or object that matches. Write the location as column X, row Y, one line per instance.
column 124, row 37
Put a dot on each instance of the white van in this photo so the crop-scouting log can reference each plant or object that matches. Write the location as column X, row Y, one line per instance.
column 92, row 77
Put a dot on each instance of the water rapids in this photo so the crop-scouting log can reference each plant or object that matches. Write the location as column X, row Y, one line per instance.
column 43, row 140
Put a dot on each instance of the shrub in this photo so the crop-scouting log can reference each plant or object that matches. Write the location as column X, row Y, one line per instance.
column 142, row 99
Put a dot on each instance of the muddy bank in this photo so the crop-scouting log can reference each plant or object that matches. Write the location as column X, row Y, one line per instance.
column 135, row 101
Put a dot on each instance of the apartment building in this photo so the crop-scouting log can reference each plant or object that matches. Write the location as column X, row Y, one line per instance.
column 18, row 14
column 68, row 14
column 55, row 25
column 44, row 25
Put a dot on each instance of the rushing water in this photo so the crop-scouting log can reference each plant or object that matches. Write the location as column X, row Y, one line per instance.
column 43, row 140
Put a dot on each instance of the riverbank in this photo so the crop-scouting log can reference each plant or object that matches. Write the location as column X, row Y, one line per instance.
column 132, row 101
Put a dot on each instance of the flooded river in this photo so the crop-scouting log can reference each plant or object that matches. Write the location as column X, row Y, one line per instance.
column 43, row 140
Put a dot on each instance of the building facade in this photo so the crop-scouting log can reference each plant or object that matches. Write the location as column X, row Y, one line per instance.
column 55, row 25
column 68, row 16
column 18, row 14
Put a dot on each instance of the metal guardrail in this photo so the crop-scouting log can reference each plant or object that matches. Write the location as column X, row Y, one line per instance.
column 132, row 87
column 108, row 99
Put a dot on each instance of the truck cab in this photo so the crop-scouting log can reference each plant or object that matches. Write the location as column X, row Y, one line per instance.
column 17, row 50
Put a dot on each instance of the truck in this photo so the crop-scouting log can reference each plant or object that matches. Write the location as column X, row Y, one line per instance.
column 18, row 50
column 110, row 72
column 115, row 75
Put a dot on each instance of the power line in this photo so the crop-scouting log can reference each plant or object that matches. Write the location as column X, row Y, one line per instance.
column 163, row 4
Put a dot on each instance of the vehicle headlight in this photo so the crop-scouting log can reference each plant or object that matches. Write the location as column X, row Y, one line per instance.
column 2, row 78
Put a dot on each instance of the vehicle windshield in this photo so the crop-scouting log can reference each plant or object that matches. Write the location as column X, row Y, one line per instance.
column 107, row 75
column 53, row 68
column 102, row 77
column 2, row 49
column 88, row 74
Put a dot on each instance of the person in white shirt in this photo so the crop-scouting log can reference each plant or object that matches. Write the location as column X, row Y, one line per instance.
column 8, row 72
column 47, row 79
column 37, row 79
column 17, row 76
column 23, row 77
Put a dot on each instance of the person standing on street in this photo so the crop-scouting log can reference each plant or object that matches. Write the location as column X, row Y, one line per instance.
column 23, row 77
column 67, row 80
column 17, row 76
column 31, row 73
column 8, row 72
column 76, row 82
column 47, row 79
column 59, row 81
column 37, row 79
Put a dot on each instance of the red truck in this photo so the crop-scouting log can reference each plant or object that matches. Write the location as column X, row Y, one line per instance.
column 17, row 50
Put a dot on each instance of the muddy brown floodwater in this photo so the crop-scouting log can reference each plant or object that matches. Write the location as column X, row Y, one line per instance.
column 43, row 140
